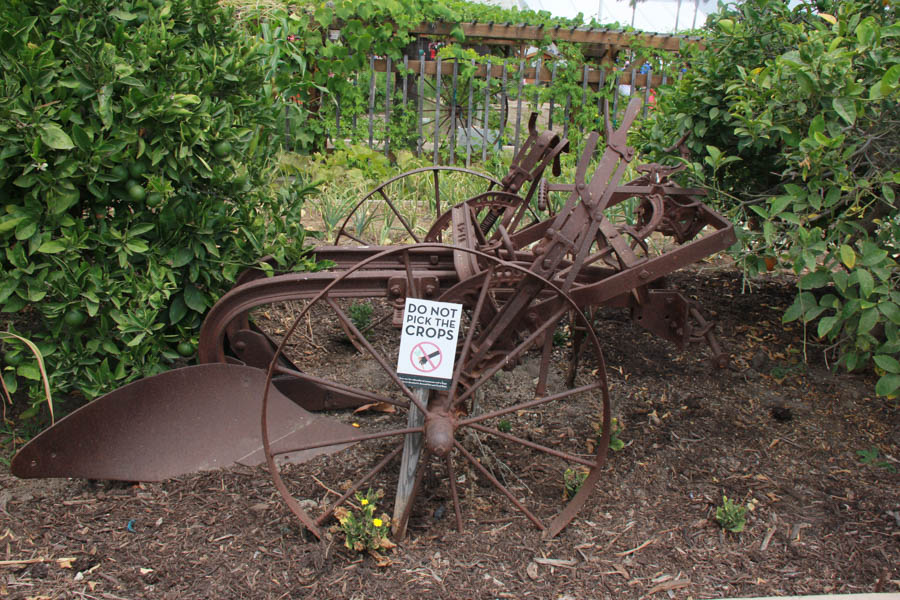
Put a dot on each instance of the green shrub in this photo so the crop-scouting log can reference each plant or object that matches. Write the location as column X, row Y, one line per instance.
column 793, row 115
column 136, row 135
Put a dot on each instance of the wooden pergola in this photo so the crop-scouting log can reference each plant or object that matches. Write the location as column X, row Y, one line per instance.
column 600, row 45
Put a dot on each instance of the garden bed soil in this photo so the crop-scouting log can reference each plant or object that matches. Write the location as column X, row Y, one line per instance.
column 813, row 453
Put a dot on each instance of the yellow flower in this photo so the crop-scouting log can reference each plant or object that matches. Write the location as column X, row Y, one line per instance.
column 377, row 522
column 364, row 501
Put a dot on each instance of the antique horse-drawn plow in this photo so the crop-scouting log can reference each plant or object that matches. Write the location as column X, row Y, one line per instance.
column 521, row 277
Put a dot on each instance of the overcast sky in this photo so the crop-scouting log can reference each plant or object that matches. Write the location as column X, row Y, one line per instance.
column 653, row 15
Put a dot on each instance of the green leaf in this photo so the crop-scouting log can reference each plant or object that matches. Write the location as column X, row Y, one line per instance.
column 865, row 31
column 194, row 299
column 122, row 15
column 177, row 310
column 848, row 256
column 826, row 324
column 55, row 137
column 51, row 247
column 866, row 282
column 29, row 371
column 10, row 224
column 867, row 320
column 890, row 310
column 846, row 108
column 891, row 77
column 814, row 280
column 888, row 385
column 888, row 363
column 182, row 257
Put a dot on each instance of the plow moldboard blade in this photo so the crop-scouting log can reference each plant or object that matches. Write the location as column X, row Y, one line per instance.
column 182, row 421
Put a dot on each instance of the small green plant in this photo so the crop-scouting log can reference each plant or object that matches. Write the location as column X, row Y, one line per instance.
column 360, row 314
column 504, row 426
column 615, row 444
column 363, row 531
column 871, row 456
column 573, row 479
column 561, row 336
column 731, row 516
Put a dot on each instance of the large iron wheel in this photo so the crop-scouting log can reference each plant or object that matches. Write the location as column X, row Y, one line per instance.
column 402, row 209
column 460, row 450
column 472, row 112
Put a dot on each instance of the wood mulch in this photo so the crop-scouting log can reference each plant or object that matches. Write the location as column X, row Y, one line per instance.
column 812, row 452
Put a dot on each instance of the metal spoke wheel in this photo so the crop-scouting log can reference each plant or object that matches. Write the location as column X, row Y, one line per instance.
column 402, row 209
column 506, row 436
column 472, row 113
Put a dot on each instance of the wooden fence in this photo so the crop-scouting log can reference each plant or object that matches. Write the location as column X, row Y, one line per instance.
column 433, row 108
column 459, row 111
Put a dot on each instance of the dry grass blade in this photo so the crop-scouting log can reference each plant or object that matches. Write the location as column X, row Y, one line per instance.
column 40, row 359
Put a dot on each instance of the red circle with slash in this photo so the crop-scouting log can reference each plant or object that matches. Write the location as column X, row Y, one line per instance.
column 426, row 357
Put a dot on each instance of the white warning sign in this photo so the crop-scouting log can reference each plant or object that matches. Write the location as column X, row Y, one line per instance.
column 428, row 343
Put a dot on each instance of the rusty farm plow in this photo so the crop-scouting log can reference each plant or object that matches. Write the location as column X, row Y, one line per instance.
column 317, row 397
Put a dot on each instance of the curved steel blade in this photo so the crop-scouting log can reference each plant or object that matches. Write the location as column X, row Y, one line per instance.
column 182, row 421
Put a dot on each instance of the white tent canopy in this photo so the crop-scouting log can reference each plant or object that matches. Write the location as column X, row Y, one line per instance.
column 658, row 16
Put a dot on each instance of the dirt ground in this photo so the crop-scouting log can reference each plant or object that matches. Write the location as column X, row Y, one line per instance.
column 813, row 453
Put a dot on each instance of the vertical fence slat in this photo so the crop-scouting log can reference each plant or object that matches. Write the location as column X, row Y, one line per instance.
column 287, row 128
column 647, row 93
column 355, row 87
column 453, row 113
column 337, row 120
column 405, row 81
column 519, row 106
column 487, row 108
column 371, row 101
column 388, row 79
column 615, row 106
column 601, row 85
column 537, row 86
column 552, row 81
column 504, row 107
column 437, row 110
column 469, row 120
column 420, row 140
column 584, row 88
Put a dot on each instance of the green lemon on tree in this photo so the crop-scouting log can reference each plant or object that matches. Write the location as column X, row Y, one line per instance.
column 137, row 168
column 154, row 199
column 222, row 149
column 185, row 349
column 119, row 173
column 136, row 192
column 74, row 317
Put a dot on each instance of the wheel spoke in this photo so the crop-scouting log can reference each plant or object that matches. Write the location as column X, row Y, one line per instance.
column 342, row 316
column 454, row 494
column 503, row 489
column 362, row 437
column 409, row 229
column 513, row 355
column 528, row 444
column 530, row 404
column 359, row 483
column 350, row 391
column 473, row 320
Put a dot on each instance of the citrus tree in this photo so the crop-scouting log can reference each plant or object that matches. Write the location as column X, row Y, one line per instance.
column 136, row 134
column 793, row 116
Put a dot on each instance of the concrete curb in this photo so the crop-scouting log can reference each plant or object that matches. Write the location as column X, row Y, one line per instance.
column 886, row 596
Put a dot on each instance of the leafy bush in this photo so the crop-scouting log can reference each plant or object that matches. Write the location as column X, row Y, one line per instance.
column 794, row 113
column 135, row 136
